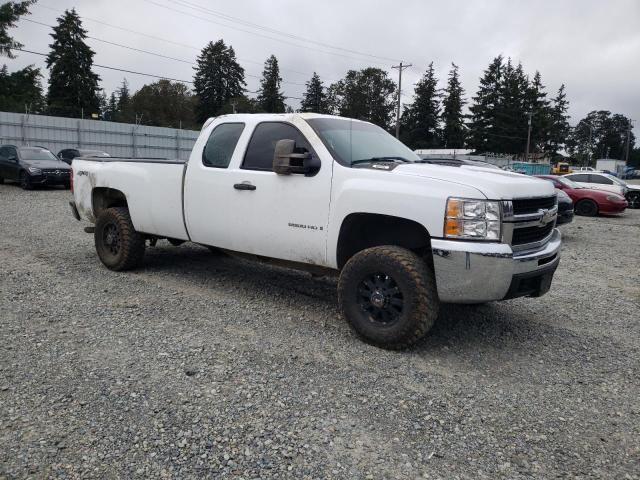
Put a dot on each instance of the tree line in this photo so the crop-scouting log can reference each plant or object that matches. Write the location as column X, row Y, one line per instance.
column 508, row 109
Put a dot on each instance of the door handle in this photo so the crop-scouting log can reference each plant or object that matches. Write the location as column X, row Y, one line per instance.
column 244, row 186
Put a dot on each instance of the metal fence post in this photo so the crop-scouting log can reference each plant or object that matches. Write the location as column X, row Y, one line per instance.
column 79, row 133
column 178, row 144
column 24, row 130
column 134, row 145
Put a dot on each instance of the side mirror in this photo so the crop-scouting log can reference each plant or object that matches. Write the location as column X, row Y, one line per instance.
column 13, row 159
column 287, row 161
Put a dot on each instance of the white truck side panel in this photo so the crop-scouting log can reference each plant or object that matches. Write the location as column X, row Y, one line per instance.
column 361, row 190
column 153, row 192
column 285, row 217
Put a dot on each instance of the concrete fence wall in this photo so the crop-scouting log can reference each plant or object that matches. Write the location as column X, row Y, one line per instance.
column 117, row 139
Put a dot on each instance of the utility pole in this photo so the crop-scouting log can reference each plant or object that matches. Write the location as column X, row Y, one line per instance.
column 526, row 159
column 627, row 145
column 400, row 68
column 590, row 140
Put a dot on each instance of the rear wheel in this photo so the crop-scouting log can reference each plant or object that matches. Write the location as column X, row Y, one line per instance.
column 587, row 208
column 118, row 245
column 389, row 297
column 25, row 182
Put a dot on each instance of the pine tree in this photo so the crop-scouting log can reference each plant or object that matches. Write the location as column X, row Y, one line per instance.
column 123, row 112
column 315, row 98
column 366, row 94
column 510, row 122
column 538, row 106
column 10, row 12
column 420, row 120
column 482, row 127
column 73, row 87
column 270, row 98
column 453, row 130
column 218, row 79
column 559, row 122
column 112, row 108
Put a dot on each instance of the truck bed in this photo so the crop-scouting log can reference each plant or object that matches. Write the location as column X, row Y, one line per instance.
column 152, row 186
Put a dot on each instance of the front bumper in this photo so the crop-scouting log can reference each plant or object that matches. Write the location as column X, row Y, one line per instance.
column 50, row 179
column 564, row 217
column 474, row 272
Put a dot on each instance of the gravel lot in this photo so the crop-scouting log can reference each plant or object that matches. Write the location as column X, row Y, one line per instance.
column 205, row 366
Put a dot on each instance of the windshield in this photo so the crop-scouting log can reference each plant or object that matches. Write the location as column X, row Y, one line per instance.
column 616, row 180
column 568, row 183
column 352, row 142
column 36, row 155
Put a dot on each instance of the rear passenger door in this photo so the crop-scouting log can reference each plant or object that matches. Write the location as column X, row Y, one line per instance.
column 601, row 182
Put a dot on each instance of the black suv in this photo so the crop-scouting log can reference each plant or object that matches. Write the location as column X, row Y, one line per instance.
column 68, row 154
column 32, row 166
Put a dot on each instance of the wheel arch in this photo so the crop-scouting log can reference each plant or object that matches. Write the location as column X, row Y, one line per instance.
column 363, row 230
column 105, row 197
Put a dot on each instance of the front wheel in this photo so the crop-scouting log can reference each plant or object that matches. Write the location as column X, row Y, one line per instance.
column 25, row 181
column 388, row 295
column 118, row 244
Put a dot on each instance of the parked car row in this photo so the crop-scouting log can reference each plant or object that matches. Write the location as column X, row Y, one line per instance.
column 608, row 183
column 38, row 166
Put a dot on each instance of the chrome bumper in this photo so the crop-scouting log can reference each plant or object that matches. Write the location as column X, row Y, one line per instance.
column 473, row 272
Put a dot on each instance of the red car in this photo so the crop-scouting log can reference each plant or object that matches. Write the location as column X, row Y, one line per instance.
column 587, row 201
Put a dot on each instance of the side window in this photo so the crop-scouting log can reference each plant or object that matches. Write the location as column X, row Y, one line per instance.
column 221, row 144
column 259, row 155
column 600, row 179
column 4, row 153
column 580, row 177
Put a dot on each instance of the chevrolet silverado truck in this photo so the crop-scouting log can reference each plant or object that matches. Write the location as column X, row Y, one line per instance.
column 335, row 195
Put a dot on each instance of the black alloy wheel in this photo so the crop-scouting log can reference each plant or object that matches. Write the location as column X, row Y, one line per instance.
column 111, row 239
column 25, row 181
column 388, row 295
column 380, row 298
column 118, row 244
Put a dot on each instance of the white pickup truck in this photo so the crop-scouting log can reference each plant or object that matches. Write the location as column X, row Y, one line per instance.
column 333, row 194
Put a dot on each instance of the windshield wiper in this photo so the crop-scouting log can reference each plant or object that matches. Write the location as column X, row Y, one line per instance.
column 379, row 159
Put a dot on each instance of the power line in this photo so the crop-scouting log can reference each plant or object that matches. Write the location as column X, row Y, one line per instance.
column 153, row 37
column 151, row 53
column 241, row 21
column 129, row 71
column 256, row 33
column 113, row 68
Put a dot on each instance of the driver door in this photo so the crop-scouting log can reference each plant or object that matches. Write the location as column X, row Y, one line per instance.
column 252, row 209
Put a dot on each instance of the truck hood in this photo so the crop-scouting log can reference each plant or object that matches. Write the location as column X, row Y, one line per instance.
column 493, row 183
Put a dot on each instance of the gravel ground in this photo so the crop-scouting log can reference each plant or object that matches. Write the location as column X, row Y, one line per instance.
column 205, row 366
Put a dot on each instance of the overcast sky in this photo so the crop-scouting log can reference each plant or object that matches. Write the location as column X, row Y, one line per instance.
column 591, row 46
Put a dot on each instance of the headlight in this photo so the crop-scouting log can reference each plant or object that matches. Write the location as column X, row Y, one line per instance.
column 35, row 171
column 472, row 219
column 615, row 198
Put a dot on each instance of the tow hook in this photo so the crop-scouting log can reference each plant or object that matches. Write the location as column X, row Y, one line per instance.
column 89, row 229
